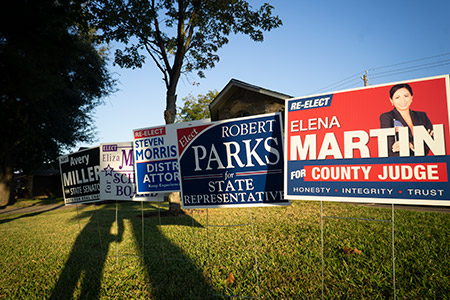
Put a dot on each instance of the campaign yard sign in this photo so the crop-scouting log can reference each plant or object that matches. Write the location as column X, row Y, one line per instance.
column 387, row 144
column 232, row 163
column 155, row 159
column 117, row 174
column 80, row 176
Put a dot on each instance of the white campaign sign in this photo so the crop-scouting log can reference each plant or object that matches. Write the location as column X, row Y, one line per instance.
column 117, row 181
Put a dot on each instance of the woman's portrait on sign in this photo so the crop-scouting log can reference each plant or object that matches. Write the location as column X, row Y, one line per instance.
column 401, row 98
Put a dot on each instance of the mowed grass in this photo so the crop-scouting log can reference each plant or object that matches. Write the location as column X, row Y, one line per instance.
column 110, row 251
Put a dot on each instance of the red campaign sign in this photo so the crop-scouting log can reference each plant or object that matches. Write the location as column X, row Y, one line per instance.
column 394, row 135
column 353, row 113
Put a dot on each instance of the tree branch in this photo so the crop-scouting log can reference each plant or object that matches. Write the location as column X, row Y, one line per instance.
column 159, row 39
column 191, row 26
column 150, row 50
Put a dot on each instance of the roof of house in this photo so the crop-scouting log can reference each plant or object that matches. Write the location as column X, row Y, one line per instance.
column 235, row 84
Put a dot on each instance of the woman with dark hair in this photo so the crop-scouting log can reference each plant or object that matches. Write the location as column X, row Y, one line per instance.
column 401, row 97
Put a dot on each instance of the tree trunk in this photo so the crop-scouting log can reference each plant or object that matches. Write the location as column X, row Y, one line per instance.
column 5, row 185
column 169, row 117
column 171, row 106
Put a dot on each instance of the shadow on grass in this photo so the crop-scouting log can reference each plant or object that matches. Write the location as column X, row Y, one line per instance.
column 84, row 267
column 27, row 212
column 172, row 274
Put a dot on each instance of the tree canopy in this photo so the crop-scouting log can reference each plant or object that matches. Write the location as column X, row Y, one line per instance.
column 196, row 108
column 52, row 77
column 181, row 36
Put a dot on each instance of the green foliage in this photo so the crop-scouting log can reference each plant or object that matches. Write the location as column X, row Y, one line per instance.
column 179, row 36
column 52, row 78
column 196, row 108
column 100, row 253
column 187, row 32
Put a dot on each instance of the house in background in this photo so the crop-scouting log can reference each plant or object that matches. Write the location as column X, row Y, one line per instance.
column 41, row 184
column 241, row 99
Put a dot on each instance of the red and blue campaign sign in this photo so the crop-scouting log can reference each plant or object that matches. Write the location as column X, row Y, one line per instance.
column 155, row 159
column 232, row 163
column 386, row 144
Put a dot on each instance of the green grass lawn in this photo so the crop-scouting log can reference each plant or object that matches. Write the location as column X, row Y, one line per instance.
column 103, row 252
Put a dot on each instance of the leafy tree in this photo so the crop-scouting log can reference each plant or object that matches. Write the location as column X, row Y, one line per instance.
column 52, row 77
column 196, row 108
column 180, row 36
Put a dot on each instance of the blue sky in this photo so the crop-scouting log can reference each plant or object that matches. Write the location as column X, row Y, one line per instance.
column 322, row 46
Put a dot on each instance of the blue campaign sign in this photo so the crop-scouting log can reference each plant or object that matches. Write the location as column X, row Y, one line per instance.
column 232, row 163
column 155, row 159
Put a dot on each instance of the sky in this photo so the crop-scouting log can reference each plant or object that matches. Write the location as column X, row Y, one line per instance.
column 323, row 46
